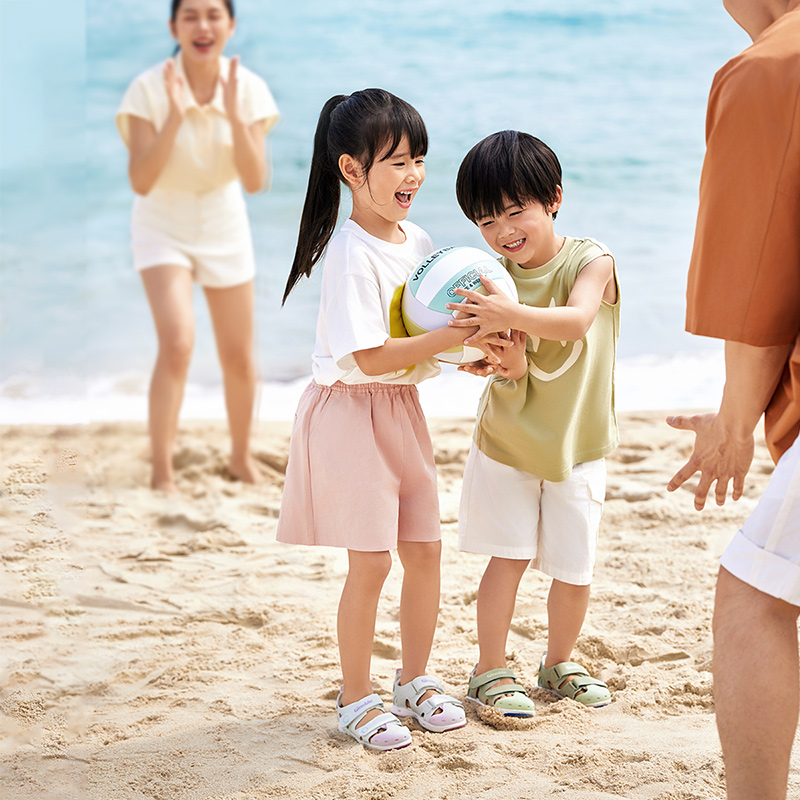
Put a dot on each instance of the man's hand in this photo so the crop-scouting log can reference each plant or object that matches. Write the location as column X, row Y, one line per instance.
column 718, row 456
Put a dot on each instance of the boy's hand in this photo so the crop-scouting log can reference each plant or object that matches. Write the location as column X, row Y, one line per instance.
column 492, row 312
column 505, row 356
column 482, row 368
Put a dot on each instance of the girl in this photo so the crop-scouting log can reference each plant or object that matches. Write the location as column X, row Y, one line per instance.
column 361, row 473
column 195, row 128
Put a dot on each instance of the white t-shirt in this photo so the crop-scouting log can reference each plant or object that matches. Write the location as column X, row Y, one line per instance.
column 202, row 156
column 362, row 282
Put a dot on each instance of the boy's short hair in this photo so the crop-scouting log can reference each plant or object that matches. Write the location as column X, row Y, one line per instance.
column 507, row 166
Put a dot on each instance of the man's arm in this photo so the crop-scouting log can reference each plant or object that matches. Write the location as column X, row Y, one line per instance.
column 724, row 443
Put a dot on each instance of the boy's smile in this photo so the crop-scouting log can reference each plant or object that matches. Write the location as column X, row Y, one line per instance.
column 524, row 234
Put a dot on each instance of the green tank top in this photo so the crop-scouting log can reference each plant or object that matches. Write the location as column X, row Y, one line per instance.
column 561, row 412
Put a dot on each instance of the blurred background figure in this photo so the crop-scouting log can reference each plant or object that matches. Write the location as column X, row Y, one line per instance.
column 195, row 127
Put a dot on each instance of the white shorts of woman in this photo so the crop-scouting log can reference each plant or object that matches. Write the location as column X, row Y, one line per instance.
column 207, row 232
column 508, row 513
column 765, row 553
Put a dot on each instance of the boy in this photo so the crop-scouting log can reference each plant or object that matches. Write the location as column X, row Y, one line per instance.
column 534, row 482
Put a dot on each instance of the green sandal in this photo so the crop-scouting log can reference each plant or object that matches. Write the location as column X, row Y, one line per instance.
column 510, row 698
column 571, row 680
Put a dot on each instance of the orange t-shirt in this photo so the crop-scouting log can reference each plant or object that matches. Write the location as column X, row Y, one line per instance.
column 744, row 277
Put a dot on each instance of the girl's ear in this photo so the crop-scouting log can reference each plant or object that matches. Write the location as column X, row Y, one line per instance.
column 351, row 170
column 556, row 204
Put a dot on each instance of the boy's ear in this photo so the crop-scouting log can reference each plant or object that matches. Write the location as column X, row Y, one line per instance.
column 556, row 204
column 350, row 169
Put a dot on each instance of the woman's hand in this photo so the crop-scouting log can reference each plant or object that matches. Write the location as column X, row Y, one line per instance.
column 230, row 91
column 175, row 85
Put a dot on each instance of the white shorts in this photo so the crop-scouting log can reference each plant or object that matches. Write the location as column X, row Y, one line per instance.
column 765, row 553
column 508, row 513
column 208, row 233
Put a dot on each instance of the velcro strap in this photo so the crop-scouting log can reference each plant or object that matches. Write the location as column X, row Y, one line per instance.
column 490, row 676
column 434, row 703
column 381, row 721
column 504, row 688
column 422, row 684
column 357, row 710
column 566, row 668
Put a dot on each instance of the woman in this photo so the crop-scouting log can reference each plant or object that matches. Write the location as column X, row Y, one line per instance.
column 195, row 127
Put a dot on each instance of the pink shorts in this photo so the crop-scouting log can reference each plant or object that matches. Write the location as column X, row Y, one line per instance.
column 361, row 473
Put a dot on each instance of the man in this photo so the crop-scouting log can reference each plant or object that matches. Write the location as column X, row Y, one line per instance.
column 744, row 287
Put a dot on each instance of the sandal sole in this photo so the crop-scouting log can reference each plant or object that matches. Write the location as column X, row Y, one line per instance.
column 380, row 748
column 404, row 712
column 575, row 700
column 523, row 714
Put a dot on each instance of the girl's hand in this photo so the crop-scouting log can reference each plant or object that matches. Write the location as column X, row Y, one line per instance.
column 492, row 312
column 230, row 91
column 175, row 86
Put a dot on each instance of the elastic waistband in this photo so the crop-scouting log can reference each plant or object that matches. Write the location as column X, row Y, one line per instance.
column 368, row 388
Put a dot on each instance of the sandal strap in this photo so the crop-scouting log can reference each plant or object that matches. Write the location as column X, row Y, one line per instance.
column 353, row 712
column 492, row 676
column 384, row 720
column 566, row 668
column 430, row 706
column 420, row 685
column 504, row 688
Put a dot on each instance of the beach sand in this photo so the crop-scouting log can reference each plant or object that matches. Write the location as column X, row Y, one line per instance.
column 169, row 648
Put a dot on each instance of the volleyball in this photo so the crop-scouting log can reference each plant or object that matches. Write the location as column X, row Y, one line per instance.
column 433, row 284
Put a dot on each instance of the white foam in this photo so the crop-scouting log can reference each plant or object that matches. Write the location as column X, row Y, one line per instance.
column 674, row 382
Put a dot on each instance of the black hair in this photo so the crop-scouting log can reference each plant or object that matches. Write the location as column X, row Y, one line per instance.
column 509, row 166
column 176, row 4
column 362, row 125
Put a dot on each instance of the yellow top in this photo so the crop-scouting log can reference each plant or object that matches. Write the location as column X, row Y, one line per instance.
column 561, row 412
column 202, row 156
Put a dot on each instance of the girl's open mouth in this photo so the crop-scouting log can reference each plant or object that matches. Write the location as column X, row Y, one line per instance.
column 404, row 198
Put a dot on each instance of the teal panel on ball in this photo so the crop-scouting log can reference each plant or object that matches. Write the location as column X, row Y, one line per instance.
column 468, row 278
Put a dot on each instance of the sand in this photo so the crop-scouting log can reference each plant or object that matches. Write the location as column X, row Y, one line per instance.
column 168, row 648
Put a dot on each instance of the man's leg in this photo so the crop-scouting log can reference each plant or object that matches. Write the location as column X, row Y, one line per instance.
column 755, row 687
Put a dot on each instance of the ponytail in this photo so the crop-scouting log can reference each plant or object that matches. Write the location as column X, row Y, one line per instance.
column 362, row 125
column 321, row 208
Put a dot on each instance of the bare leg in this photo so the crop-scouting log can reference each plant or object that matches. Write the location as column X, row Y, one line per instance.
column 419, row 604
column 169, row 292
column 232, row 316
column 756, row 714
column 566, row 611
column 358, row 608
column 497, row 596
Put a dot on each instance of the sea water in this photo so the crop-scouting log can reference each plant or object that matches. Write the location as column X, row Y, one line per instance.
column 617, row 89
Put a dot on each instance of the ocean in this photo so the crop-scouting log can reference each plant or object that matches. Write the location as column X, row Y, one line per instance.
column 617, row 89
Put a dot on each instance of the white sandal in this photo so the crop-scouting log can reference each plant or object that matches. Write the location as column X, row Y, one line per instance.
column 406, row 703
column 384, row 732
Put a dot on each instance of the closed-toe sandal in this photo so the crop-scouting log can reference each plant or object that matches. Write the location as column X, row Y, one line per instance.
column 510, row 698
column 571, row 680
column 440, row 712
column 384, row 732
